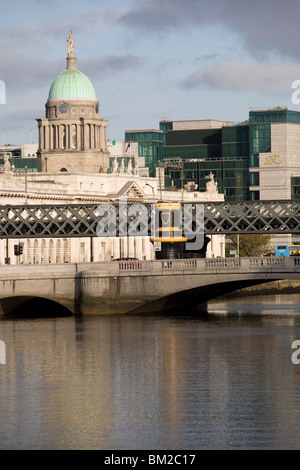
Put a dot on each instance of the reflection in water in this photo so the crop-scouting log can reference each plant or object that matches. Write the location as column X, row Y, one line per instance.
column 224, row 380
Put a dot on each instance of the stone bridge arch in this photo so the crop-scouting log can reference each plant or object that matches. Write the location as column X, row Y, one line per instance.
column 32, row 307
column 37, row 287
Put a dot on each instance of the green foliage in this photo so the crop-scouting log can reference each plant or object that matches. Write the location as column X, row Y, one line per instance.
column 249, row 245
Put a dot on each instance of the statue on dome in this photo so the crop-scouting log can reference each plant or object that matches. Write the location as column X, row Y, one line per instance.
column 71, row 44
column 71, row 59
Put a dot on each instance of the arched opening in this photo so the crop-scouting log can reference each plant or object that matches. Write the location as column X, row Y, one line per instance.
column 51, row 252
column 32, row 307
column 192, row 299
column 58, row 251
column 35, row 252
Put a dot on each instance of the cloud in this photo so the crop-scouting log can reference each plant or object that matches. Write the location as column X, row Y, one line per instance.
column 274, row 79
column 110, row 65
column 267, row 25
column 22, row 73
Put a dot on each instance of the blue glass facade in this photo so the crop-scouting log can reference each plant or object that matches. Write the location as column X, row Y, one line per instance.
column 150, row 144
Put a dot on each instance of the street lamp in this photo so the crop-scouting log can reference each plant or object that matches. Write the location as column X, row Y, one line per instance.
column 147, row 184
column 25, row 185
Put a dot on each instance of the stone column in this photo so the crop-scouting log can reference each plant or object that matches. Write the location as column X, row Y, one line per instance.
column 101, row 146
column 40, row 136
column 78, row 136
column 105, row 137
column 131, row 247
column 116, row 248
column 47, row 137
column 50, row 137
column 86, row 136
column 139, row 247
column 58, row 137
column 92, row 135
column 43, row 137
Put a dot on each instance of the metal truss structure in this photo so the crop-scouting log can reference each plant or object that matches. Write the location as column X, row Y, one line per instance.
column 81, row 220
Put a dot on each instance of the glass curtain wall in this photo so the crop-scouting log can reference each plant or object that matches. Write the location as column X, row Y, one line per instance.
column 150, row 146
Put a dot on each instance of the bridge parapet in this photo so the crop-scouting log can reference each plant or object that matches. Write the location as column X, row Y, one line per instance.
column 118, row 287
column 158, row 265
column 215, row 263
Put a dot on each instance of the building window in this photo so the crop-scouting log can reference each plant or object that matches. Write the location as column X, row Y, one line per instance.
column 254, row 195
column 260, row 142
column 254, row 179
column 64, row 137
column 74, row 136
column 295, row 187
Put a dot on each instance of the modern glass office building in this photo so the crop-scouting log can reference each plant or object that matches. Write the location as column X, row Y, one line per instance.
column 150, row 146
column 209, row 146
column 258, row 158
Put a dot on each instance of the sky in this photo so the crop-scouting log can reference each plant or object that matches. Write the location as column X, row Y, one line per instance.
column 149, row 60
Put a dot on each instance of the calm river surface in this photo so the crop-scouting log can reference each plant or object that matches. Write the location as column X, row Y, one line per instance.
column 221, row 381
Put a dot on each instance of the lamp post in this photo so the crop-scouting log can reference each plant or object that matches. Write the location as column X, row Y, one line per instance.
column 147, row 184
column 25, row 184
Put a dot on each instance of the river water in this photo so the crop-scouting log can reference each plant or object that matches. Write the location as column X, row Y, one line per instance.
column 221, row 381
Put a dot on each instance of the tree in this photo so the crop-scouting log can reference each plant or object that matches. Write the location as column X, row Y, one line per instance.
column 250, row 244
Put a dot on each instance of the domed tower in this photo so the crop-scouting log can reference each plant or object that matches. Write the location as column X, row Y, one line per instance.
column 72, row 137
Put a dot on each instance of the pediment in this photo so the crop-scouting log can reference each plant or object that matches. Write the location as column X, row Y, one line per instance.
column 130, row 190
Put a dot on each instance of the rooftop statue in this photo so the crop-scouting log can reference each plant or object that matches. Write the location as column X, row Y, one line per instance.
column 212, row 185
column 71, row 44
column 115, row 166
column 71, row 59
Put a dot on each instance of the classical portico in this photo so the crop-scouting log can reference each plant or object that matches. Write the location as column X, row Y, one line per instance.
column 72, row 136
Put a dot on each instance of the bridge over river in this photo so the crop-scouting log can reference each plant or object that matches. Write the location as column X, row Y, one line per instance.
column 134, row 287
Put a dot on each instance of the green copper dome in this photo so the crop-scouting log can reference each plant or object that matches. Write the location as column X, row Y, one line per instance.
column 72, row 83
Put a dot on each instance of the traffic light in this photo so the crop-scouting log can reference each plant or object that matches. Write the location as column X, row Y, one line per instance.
column 18, row 250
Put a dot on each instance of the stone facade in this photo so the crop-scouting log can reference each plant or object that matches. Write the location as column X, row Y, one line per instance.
column 73, row 137
column 75, row 188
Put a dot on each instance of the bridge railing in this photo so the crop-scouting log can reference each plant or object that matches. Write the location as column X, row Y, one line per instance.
column 179, row 264
column 272, row 261
column 209, row 264
column 136, row 265
column 157, row 265
column 215, row 263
